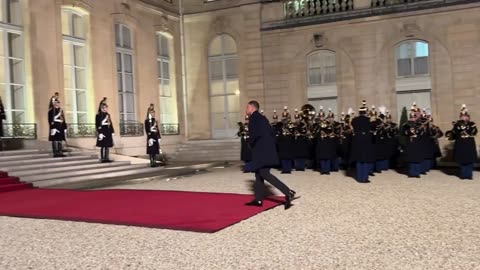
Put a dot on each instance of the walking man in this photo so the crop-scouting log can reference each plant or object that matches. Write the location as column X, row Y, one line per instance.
column 264, row 156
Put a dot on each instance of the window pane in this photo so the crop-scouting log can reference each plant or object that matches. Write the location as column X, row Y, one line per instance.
column 82, row 118
column 165, row 89
column 130, row 102
column 129, row 83
column 69, row 100
column 404, row 67
column 120, row 82
column 217, row 104
column 421, row 65
column 81, row 101
column 314, row 61
column 233, row 119
column 233, row 103
column 2, row 47
column 403, row 51
column 163, row 46
column 17, row 95
column 127, row 62
column 218, row 120
column 80, row 78
column 118, row 42
column 330, row 75
column 119, row 62
column 79, row 30
column 15, row 45
column 16, row 71
column 216, row 88
column 67, row 54
column 18, row 117
column 216, row 47
column 127, row 37
column 67, row 77
column 14, row 10
column 79, row 54
column 165, row 70
column 229, row 46
column 3, row 92
column 66, row 22
column 421, row 49
column 315, row 76
column 231, row 68
column 216, row 70
column 122, row 110
column 159, row 69
column 2, row 70
column 232, row 87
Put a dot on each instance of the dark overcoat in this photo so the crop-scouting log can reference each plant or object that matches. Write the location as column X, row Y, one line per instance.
column 262, row 143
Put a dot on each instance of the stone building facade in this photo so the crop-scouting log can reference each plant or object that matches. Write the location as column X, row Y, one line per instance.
column 200, row 61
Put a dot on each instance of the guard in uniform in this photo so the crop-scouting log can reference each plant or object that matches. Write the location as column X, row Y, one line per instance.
column 302, row 141
column 285, row 140
column 325, row 143
column 414, row 151
column 381, row 142
column 392, row 140
column 465, row 149
column 58, row 127
column 3, row 117
column 362, row 144
column 153, row 136
column 246, row 152
column 345, row 139
column 105, row 131
column 432, row 148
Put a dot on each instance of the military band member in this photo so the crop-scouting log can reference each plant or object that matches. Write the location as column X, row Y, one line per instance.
column 414, row 151
column 345, row 138
column 381, row 142
column 153, row 136
column 325, row 143
column 392, row 138
column 465, row 149
column 58, row 127
column 362, row 145
column 432, row 148
column 245, row 152
column 302, row 143
column 285, row 141
column 105, row 131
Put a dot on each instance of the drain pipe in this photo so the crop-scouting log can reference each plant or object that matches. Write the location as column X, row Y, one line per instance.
column 184, row 73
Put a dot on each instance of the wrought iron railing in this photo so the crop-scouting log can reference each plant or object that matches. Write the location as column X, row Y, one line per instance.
column 169, row 129
column 20, row 131
column 384, row 3
column 304, row 8
column 81, row 130
column 133, row 129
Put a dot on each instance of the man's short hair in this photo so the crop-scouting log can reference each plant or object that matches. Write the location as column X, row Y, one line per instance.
column 254, row 104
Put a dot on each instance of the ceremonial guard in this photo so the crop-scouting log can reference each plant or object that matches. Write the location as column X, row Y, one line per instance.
column 105, row 131
column 153, row 136
column 432, row 147
column 414, row 150
column 345, row 138
column 362, row 145
column 302, row 143
column 381, row 141
column 3, row 117
column 285, row 141
column 392, row 139
column 58, row 127
column 325, row 143
column 245, row 152
column 465, row 149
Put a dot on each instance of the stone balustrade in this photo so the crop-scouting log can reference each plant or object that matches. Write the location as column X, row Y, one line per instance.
column 304, row 8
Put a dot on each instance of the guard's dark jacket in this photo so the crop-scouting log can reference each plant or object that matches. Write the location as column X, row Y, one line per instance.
column 262, row 142
column 325, row 142
column 104, row 126
column 56, row 120
column 153, row 132
column 302, row 143
column 245, row 152
column 362, row 140
column 3, row 116
column 414, row 151
column 285, row 142
column 465, row 150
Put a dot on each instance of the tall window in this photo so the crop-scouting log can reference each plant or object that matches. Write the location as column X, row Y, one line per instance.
column 413, row 83
column 322, row 80
column 12, row 57
column 126, row 77
column 412, row 59
column 224, row 86
column 168, row 97
column 75, row 65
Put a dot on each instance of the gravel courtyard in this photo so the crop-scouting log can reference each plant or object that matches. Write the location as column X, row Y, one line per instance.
column 392, row 223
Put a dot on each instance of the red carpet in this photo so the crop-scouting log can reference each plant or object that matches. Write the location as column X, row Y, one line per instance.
column 177, row 210
column 12, row 183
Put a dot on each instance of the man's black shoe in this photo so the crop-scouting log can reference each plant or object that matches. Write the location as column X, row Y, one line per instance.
column 254, row 203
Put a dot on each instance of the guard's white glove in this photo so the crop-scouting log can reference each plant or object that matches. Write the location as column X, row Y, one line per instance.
column 101, row 136
column 159, row 141
column 65, row 132
column 54, row 131
column 150, row 142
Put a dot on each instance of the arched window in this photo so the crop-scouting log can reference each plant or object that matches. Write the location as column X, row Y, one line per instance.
column 125, row 73
column 224, row 86
column 75, row 63
column 413, row 83
column 322, row 80
column 166, row 83
column 12, row 57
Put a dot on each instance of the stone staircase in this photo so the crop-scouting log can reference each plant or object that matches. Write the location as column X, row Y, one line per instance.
column 208, row 150
column 79, row 169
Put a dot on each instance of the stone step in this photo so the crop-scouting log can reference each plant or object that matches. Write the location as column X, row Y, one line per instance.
column 34, row 156
column 49, row 169
column 43, row 161
column 60, row 164
column 81, row 173
column 99, row 180
column 210, row 142
column 18, row 152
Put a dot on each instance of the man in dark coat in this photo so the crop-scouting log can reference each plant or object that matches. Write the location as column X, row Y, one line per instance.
column 362, row 144
column 465, row 149
column 264, row 156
